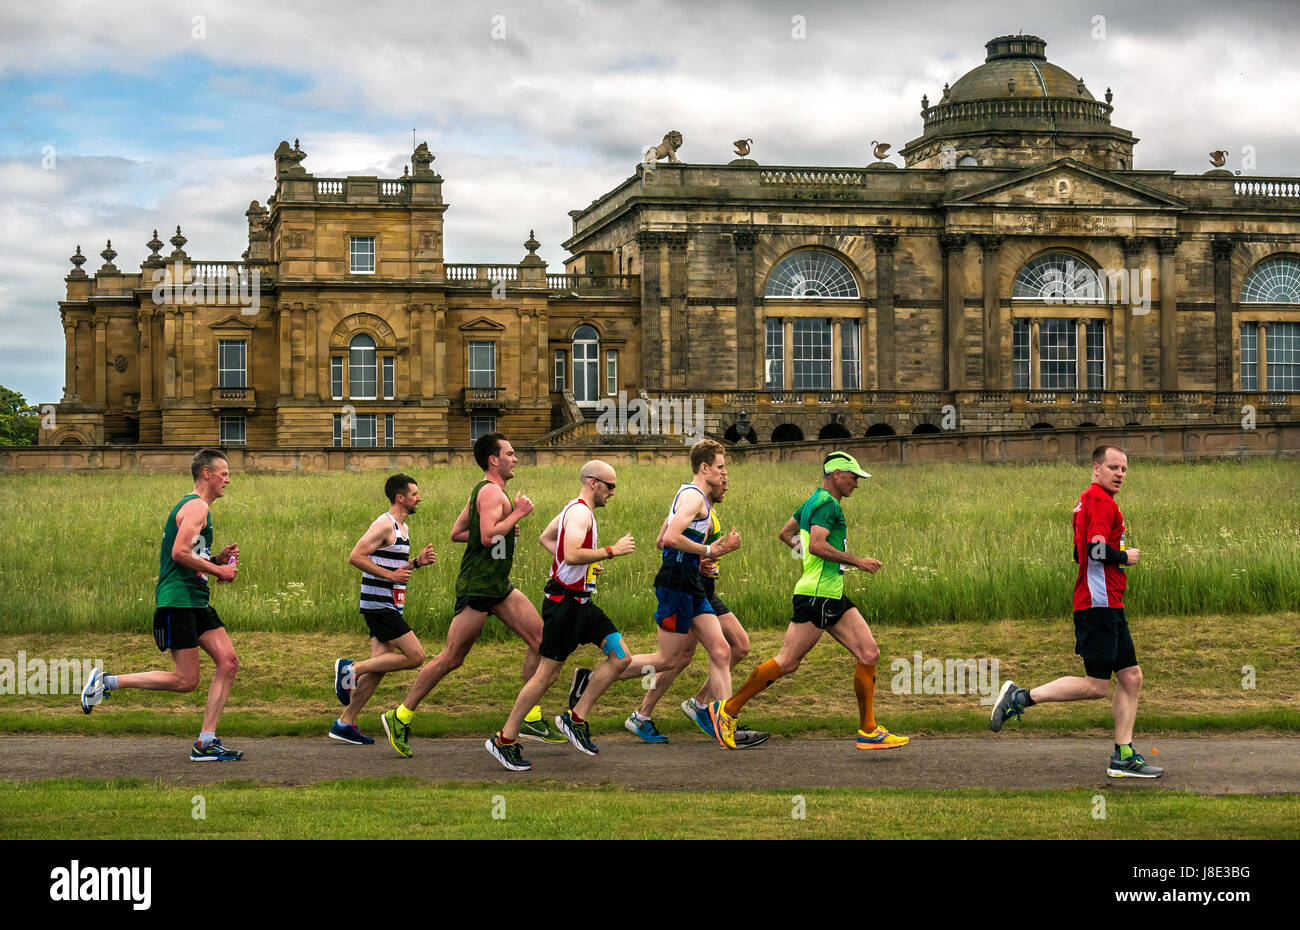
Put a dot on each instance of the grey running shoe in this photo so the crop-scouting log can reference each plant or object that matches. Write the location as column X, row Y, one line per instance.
column 1132, row 767
column 1008, row 705
column 748, row 739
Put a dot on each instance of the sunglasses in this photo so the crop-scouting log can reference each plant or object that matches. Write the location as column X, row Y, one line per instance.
column 608, row 484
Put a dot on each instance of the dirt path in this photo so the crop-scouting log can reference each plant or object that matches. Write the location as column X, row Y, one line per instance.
column 1206, row 766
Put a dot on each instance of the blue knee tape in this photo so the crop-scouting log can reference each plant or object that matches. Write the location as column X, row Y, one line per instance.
column 612, row 645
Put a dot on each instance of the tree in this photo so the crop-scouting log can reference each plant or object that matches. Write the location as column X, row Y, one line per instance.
column 19, row 421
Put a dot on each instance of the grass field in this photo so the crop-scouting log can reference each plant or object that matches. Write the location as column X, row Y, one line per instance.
column 959, row 542
column 400, row 808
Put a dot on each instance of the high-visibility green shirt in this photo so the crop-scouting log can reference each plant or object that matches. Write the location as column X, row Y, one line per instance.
column 821, row 578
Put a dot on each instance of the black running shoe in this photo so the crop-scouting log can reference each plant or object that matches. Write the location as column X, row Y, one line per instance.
column 578, row 733
column 1009, row 704
column 1132, row 767
column 580, row 678
column 508, row 755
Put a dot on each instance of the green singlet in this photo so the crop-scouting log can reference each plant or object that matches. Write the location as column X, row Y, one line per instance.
column 179, row 586
column 820, row 577
column 481, row 575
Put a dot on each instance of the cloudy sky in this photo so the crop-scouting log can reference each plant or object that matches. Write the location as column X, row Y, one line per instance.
column 119, row 118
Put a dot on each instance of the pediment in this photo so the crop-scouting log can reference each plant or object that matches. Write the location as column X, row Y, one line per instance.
column 1064, row 183
column 481, row 325
column 234, row 321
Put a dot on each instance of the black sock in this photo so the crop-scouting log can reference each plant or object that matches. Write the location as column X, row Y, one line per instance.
column 1023, row 698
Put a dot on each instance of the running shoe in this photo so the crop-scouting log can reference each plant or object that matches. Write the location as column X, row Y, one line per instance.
column 214, row 752
column 645, row 729
column 1132, row 767
column 94, row 691
column 699, row 717
column 1010, row 703
column 344, row 680
column 748, row 739
column 724, row 725
column 349, row 734
column 577, row 733
column 398, row 734
column 880, row 738
column 535, row 727
column 580, row 678
column 508, row 755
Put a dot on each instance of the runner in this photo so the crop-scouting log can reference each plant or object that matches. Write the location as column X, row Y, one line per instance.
column 697, row 709
column 684, row 615
column 570, row 617
column 384, row 556
column 818, row 530
column 1101, row 634
column 184, row 621
column 489, row 525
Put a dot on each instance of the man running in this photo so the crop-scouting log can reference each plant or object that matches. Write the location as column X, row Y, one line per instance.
column 184, row 621
column 384, row 556
column 696, row 709
column 570, row 617
column 818, row 530
column 1101, row 634
column 488, row 525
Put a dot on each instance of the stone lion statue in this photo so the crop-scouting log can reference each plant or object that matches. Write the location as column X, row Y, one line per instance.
column 667, row 148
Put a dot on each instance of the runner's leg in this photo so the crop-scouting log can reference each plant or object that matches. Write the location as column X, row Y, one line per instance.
column 216, row 643
column 185, row 678
column 518, row 614
column 461, row 635
column 531, row 695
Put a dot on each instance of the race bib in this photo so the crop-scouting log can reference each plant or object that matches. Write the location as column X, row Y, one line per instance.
column 591, row 577
column 399, row 596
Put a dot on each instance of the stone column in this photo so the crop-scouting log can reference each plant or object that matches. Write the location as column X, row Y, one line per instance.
column 1222, row 247
column 749, row 355
column 1081, row 355
column 411, row 376
column 1134, row 324
column 527, row 357
column 169, row 353
column 285, row 353
column 313, row 355
column 886, row 373
column 994, row 380
column 543, row 354
column 101, row 361
column 1035, row 361
column 679, row 335
column 69, row 360
column 952, row 246
column 652, row 355
column 298, row 353
column 440, row 354
column 1168, row 246
column 144, row 320
column 1261, row 356
column 187, row 369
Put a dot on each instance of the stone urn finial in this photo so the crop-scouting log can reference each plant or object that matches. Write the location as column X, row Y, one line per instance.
column 155, row 259
column 108, row 255
column 77, row 260
column 178, row 240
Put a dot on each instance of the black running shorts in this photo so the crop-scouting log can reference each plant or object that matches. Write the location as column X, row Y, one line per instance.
column 719, row 608
column 569, row 622
column 1102, row 640
column 386, row 624
column 181, row 627
column 821, row 612
column 479, row 603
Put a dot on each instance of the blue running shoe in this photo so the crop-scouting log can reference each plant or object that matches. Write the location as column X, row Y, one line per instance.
column 214, row 752
column 699, row 717
column 349, row 734
column 344, row 680
column 645, row 729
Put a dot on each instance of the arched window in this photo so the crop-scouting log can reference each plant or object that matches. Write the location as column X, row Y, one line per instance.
column 1273, row 281
column 363, row 377
column 586, row 365
column 1058, row 278
column 811, row 274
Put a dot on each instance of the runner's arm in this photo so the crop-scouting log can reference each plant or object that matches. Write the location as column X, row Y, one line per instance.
column 493, row 519
column 790, row 533
column 677, row 523
column 189, row 526
column 376, row 538
column 659, row 542
column 460, row 529
column 550, row 536
column 819, row 547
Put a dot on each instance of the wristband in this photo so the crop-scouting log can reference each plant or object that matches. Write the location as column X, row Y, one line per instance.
column 609, row 553
column 707, row 550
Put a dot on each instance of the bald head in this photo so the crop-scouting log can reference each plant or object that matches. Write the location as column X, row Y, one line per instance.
column 598, row 480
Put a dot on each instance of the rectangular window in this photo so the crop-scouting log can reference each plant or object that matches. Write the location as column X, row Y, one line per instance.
column 336, row 377
column 1020, row 355
column 388, row 430
column 1282, row 345
column 851, row 354
column 561, row 363
column 774, row 356
column 361, row 255
column 363, row 429
column 232, row 367
column 483, row 365
column 611, row 372
column 1096, row 334
column 390, row 377
column 1058, row 355
column 1250, row 356
column 481, row 426
column 232, row 430
column 338, row 430
column 812, row 355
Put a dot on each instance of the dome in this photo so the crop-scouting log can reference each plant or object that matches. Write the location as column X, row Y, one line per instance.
column 1020, row 59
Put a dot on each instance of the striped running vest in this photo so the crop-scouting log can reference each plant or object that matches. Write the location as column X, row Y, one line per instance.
column 179, row 586
column 576, row 578
column 680, row 571
column 380, row 593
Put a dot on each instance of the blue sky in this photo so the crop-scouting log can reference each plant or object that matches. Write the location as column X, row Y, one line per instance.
column 534, row 108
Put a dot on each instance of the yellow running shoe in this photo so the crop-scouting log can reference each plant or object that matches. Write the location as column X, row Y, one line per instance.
column 724, row 725
column 880, row 738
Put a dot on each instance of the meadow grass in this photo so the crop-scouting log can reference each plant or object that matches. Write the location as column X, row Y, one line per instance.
column 367, row 809
column 958, row 542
